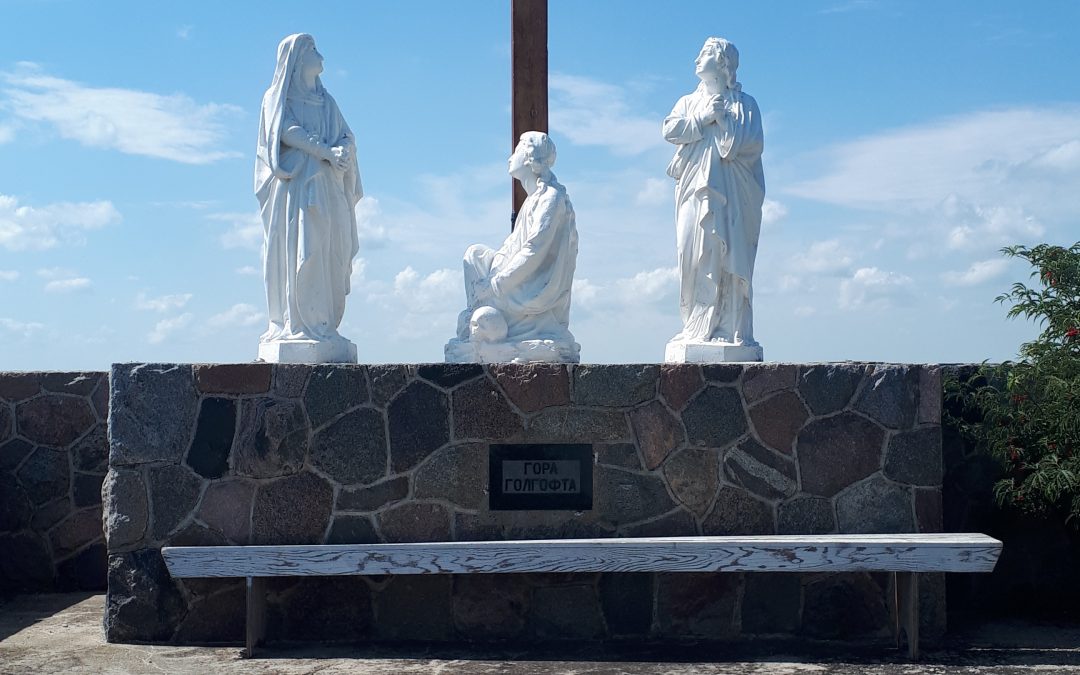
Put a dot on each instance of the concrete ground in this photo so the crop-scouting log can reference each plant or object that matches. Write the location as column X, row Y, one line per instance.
column 62, row 634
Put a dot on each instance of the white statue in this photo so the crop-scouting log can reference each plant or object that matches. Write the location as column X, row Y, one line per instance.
column 719, row 191
column 308, row 184
column 518, row 297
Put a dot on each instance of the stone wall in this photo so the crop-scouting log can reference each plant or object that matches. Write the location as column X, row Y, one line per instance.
column 53, row 459
column 261, row 454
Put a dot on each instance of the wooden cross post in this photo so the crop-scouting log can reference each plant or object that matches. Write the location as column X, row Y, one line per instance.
column 529, row 76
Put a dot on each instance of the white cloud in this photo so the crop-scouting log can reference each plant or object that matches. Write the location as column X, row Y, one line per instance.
column 240, row 314
column 656, row 191
column 7, row 133
column 432, row 293
column 590, row 112
column 39, row 228
column 971, row 227
column 654, row 287
column 55, row 272
column 772, row 212
column 67, row 285
column 873, row 288
column 824, row 257
column 248, row 271
column 245, row 230
column 162, row 303
column 984, row 157
column 980, row 271
column 24, row 329
column 135, row 122
column 166, row 327
column 803, row 311
column 8, row 275
column 184, row 32
column 369, row 223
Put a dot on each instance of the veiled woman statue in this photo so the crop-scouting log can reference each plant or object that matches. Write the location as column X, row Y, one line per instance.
column 308, row 184
column 518, row 297
column 718, row 196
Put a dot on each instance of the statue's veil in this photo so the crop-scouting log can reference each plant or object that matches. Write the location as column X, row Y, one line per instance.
column 267, row 160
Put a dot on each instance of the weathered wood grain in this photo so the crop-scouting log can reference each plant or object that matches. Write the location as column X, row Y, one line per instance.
column 818, row 553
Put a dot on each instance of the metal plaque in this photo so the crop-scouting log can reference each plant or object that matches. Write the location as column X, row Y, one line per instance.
column 532, row 477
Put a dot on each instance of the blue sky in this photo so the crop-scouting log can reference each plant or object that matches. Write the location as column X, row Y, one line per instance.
column 906, row 142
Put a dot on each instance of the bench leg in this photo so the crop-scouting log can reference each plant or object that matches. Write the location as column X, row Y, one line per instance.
column 256, row 615
column 906, row 611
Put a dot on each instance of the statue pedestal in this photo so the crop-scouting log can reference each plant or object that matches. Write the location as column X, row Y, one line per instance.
column 308, row 351
column 711, row 352
column 526, row 351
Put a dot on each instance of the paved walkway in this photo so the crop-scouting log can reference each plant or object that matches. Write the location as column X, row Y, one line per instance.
column 62, row 634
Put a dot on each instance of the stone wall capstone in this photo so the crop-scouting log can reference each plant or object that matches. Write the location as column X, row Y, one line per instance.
column 276, row 454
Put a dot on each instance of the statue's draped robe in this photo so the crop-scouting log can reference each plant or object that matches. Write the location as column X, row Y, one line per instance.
column 533, row 271
column 308, row 211
column 718, row 197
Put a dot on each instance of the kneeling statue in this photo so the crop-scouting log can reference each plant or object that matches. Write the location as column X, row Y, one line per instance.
column 518, row 297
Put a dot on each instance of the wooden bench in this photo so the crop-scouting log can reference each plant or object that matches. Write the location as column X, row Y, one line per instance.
column 904, row 555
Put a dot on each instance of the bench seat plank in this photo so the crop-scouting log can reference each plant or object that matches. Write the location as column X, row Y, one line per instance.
column 805, row 553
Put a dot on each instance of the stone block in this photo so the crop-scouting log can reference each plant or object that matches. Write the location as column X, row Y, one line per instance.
column 152, row 413
column 577, row 425
column 760, row 470
column 87, row 570
column 86, row 490
column 627, row 603
column 875, row 506
column 91, row 452
column 490, row 606
column 290, row 379
column 456, row 473
column 54, row 420
column 386, row 381
column 623, row 455
column 657, row 431
column 15, row 506
column 778, row 421
column 46, row 516
column 419, row 419
column 414, row 521
column 929, row 395
column 715, row 417
column 74, row 532
column 449, row 375
column 737, row 512
column 125, row 507
column 347, row 529
column 533, row 387
column 272, row 438
column 679, row 383
column 226, row 507
column 332, row 390
column 415, row 607
column 828, row 388
column 614, row 386
column 19, row 386
column 764, row 380
column 13, row 452
column 570, row 612
column 292, row 510
column 215, row 618
column 771, row 603
column 890, row 396
column 622, row 497
column 914, row 457
column 928, row 510
column 194, row 534
column 7, row 423
column 174, row 492
column 26, row 564
column 45, row 475
column 805, row 515
column 843, row 606
column 676, row 523
column 837, row 451
column 233, row 378
column 374, row 496
column 208, row 455
column 76, row 384
column 143, row 603
column 694, row 476
column 324, row 609
column 725, row 373
column 352, row 449
column 481, row 412
column 697, row 605
column 100, row 400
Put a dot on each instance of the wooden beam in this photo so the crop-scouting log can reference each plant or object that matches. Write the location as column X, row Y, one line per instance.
column 529, row 74
column 824, row 553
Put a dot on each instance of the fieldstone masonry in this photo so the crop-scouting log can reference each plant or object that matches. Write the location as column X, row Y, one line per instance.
column 53, row 457
column 285, row 454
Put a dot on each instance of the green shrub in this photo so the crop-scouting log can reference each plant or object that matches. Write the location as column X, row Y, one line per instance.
column 1026, row 413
